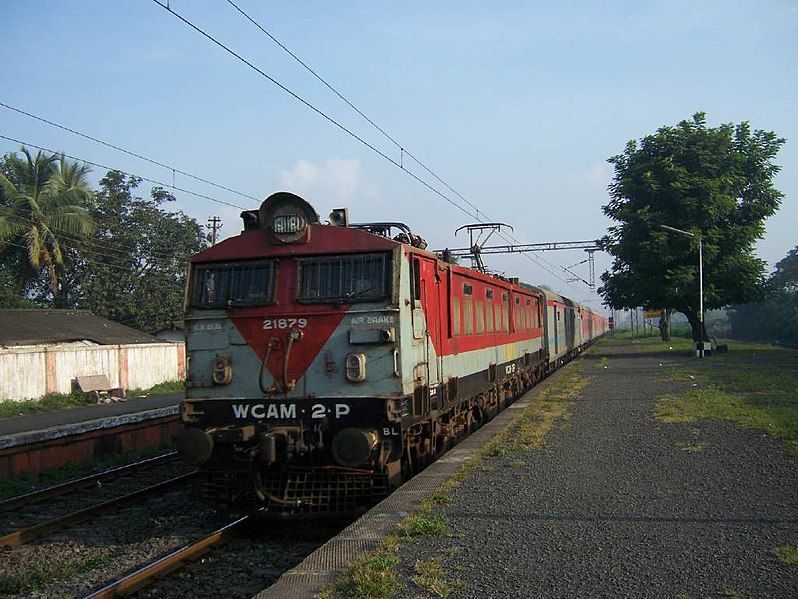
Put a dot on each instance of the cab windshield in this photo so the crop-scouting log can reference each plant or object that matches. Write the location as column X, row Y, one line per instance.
column 347, row 278
column 233, row 284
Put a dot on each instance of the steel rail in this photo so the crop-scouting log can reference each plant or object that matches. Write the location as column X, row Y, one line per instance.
column 25, row 535
column 69, row 486
column 145, row 576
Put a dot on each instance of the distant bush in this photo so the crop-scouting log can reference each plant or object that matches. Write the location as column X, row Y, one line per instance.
column 775, row 319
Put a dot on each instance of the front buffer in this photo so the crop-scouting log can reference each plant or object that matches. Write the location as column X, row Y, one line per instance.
column 297, row 457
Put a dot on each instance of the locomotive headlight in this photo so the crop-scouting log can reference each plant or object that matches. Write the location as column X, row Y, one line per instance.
column 352, row 447
column 288, row 227
column 288, row 223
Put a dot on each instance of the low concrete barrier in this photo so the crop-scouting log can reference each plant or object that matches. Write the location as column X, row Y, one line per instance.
column 30, row 452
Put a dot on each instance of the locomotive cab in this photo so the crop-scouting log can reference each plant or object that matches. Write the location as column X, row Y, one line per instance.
column 293, row 390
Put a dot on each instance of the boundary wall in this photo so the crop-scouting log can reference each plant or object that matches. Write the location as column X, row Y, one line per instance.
column 29, row 372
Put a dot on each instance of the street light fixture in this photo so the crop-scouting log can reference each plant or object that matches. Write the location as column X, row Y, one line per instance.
column 700, row 348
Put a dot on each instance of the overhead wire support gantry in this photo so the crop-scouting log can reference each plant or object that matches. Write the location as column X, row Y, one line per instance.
column 480, row 233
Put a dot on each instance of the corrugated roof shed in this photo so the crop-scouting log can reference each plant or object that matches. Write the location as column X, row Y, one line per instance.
column 43, row 327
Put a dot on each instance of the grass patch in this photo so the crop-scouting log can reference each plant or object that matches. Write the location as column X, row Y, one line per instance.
column 37, row 576
column 370, row 578
column 755, row 386
column 425, row 523
column 515, row 464
column 48, row 403
column 61, row 401
column 159, row 389
column 25, row 483
column 440, row 498
column 431, row 577
column 528, row 429
column 787, row 555
column 692, row 447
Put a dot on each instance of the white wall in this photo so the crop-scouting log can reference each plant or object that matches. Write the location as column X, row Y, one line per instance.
column 22, row 373
column 32, row 371
column 148, row 365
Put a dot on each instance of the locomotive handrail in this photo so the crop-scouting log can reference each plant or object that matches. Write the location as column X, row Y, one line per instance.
column 382, row 228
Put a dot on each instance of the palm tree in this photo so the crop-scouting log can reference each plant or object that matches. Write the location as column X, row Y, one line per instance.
column 42, row 208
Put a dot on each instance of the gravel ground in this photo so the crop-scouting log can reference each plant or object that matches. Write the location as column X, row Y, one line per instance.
column 245, row 567
column 613, row 504
column 81, row 559
column 81, row 498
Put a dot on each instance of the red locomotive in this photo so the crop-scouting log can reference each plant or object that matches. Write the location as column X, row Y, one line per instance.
column 329, row 362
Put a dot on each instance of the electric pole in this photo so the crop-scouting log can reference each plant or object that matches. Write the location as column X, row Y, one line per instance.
column 215, row 224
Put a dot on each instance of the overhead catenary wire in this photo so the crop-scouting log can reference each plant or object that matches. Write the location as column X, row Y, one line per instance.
column 342, row 127
column 88, row 261
column 106, row 167
column 112, row 248
column 318, row 111
column 401, row 147
column 126, row 151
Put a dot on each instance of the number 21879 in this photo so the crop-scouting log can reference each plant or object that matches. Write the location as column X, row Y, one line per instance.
column 270, row 324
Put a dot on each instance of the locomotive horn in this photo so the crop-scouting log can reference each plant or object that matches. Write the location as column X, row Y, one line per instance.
column 339, row 217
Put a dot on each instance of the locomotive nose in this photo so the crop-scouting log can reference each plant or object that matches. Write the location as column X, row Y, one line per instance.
column 352, row 447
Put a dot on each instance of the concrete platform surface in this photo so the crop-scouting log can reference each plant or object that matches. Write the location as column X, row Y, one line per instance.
column 619, row 504
column 59, row 418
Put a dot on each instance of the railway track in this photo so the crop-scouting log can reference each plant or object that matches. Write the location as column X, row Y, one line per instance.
column 145, row 576
column 25, row 535
column 72, row 485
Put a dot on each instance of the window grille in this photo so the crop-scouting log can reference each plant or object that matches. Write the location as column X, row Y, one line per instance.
column 468, row 316
column 348, row 278
column 234, row 284
column 455, row 316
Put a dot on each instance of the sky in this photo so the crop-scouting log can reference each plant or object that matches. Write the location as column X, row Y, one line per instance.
column 515, row 105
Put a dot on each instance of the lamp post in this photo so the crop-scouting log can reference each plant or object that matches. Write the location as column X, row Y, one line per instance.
column 700, row 349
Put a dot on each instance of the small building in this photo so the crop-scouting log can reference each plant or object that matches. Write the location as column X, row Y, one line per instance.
column 174, row 333
column 43, row 351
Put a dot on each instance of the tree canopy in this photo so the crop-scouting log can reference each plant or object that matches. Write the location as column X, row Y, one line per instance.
column 714, row 182
column 42, row 210
column 776, row 317
column 63, row 244
column 137, row 262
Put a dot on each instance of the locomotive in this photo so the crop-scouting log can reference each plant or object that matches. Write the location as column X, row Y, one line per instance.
column 327, row 363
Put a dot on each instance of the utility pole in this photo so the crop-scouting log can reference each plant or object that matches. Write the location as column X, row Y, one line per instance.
column 215, row 223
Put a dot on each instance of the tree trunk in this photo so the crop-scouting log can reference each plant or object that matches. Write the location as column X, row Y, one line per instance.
column 665, row 326
column 698, row 327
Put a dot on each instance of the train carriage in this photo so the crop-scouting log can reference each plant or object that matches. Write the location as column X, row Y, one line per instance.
column 327, row 363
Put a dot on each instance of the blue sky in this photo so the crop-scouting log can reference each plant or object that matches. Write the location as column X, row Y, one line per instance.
column 517, row 105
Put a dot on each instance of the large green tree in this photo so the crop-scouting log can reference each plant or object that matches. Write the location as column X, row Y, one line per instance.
column 43, row 213
column 716, row 182
column 776, row 317
column 135, row 268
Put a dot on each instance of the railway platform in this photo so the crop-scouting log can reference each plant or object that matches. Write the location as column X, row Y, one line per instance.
column 596, row 490
column 32, row 442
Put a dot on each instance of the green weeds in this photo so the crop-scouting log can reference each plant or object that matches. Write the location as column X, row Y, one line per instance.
column 431, row 577
column 37, row 576
column 754, row 386
column 787, row 555
column 25, row 483
column 60, row 401
column 48, row 403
